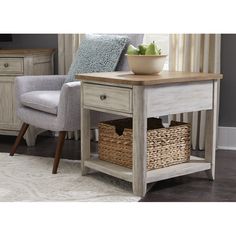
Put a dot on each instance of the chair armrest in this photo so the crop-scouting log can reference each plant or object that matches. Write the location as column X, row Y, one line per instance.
column 69, row 106
column 36, row 83
column 24, row 84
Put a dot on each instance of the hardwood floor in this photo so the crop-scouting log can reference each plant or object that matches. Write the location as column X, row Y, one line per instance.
column 191, row 188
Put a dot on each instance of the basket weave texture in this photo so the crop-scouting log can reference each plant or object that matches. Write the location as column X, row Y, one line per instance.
column 165, row 146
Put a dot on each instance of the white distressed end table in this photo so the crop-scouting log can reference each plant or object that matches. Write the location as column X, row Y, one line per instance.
column 140, row 97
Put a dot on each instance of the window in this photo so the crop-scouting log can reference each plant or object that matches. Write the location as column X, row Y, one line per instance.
column 162, row 40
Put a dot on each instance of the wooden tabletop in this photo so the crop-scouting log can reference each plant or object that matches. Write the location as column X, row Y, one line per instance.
column 165, row 77
column 20, row 52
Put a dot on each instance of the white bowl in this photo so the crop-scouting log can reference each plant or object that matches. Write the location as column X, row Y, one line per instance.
column 145, row 64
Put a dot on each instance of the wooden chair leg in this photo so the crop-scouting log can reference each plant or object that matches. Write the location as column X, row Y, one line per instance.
column 23, row 129
column 60, row 144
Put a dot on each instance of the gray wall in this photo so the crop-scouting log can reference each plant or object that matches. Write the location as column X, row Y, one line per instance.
column 228, row 84
column 33, row 41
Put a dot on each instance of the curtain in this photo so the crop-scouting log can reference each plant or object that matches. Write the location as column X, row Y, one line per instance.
column 67, row 46
column 194, row 53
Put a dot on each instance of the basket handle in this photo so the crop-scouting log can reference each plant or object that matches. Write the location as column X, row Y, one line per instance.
column 119, row 131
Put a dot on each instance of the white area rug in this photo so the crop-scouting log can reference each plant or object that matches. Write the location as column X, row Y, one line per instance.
column 29, row 178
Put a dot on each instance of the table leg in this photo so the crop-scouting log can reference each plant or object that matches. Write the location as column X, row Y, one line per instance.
column 139, row 141
column 85, row 137
column 211, row 132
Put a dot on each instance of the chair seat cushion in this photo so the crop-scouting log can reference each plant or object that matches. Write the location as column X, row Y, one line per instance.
column 46, row 101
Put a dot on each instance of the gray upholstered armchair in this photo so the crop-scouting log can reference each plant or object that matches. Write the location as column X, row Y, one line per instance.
column 49, row 103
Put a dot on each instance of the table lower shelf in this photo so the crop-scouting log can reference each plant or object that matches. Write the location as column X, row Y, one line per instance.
column 195, row 164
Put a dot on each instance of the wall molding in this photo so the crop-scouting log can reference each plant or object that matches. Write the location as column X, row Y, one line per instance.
column 226, row 138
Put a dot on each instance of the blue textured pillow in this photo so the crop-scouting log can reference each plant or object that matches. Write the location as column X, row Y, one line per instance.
column 97, row 53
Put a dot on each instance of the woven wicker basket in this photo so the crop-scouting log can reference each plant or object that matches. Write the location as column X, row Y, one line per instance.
column 165, row 146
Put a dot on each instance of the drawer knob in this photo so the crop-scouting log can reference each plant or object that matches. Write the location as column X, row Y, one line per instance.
column 6, row 65
column 103, row 97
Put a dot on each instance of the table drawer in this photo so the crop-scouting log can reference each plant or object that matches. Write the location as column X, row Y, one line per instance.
column 11, row 66
column 108, row 97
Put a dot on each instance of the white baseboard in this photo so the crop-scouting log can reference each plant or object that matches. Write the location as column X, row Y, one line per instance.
column 226, row 138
